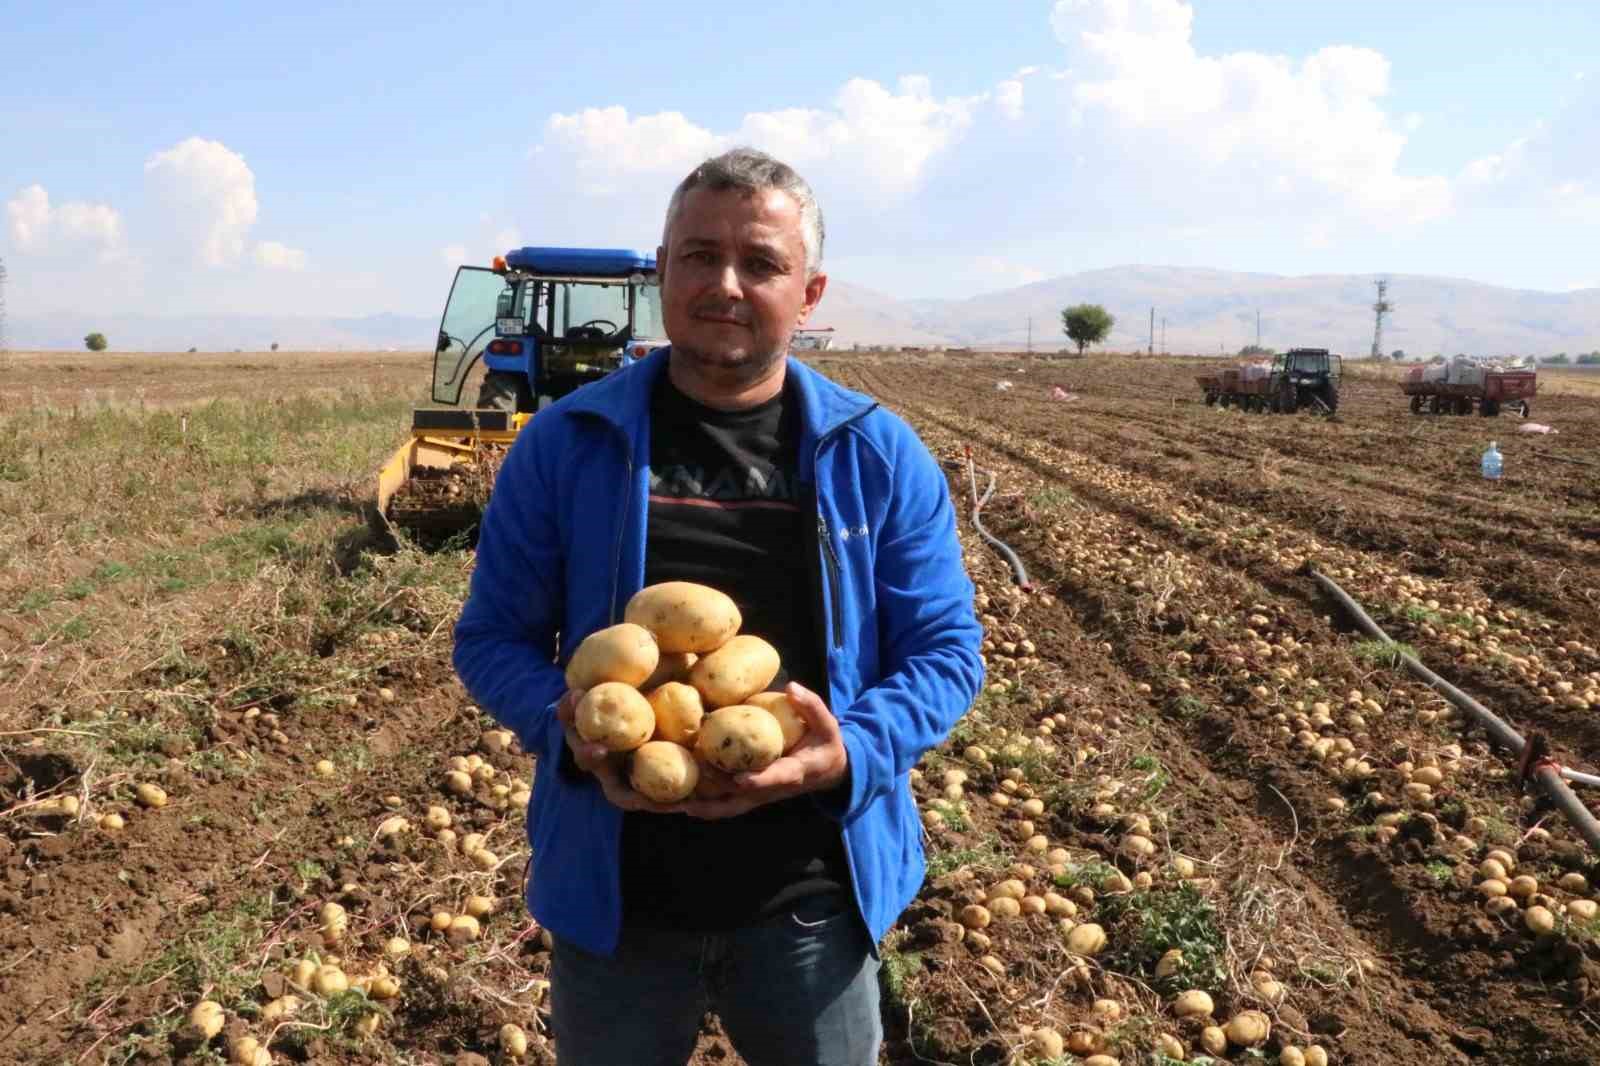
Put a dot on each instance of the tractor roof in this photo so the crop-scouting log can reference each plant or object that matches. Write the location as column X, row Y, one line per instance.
column 581, row 262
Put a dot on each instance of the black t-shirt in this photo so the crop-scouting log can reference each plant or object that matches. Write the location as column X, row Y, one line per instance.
column 727, row 510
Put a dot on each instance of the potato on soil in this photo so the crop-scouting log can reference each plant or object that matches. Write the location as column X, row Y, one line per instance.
column 663, row 771
column 739, row 739
column 626, row 653
column 789, row 719
column 616, row 716
column 739, row 669
column 678, row 712
column 685, row 616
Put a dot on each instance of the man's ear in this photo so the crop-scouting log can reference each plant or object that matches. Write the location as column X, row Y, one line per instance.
column 815, row 285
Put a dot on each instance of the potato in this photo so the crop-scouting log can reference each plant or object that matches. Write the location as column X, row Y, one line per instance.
column 789, row 719
column 615, row 715
column 685, row 616
column 739, row 738
column 1248, row 1028
column 663, row 771
column 626, row 653
column 739, row 669
column 207, row 1018
column 1194, row 1003
column 672, row 666
column 678, row 712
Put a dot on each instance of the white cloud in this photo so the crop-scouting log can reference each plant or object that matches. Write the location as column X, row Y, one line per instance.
column 207, row 195
column 276, row 256
column 36, row 226
column 880, row 136
column 1008, row 98
column 1142, row 89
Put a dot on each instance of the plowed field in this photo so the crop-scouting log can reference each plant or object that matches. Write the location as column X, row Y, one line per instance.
column 1182, row 745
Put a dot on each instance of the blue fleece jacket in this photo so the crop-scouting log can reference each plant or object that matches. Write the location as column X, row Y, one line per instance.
column 562, row 548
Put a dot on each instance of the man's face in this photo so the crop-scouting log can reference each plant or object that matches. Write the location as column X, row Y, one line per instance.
column 733, row 281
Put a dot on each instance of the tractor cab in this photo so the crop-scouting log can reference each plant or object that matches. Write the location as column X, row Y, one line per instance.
column 1310, row 367
column 546, row 321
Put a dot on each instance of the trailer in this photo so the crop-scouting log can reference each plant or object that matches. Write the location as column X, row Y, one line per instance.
column 1459, row 386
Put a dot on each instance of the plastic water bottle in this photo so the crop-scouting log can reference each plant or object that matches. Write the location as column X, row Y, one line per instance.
column 1491, row 462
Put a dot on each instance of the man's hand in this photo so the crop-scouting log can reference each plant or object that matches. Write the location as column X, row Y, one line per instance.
column 603, row 764
column 819, row 761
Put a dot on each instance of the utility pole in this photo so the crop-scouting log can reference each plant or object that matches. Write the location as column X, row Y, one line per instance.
column 1152, row 350
column 1379, row 309
column 1030, row 334
column 1163, row 334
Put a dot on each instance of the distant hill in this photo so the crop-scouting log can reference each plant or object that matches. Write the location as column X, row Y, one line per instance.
column 1211, row 310
column 1206, row 311
column 223, row 332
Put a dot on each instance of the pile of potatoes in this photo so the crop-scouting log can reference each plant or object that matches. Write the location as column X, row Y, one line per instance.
column 677, row 686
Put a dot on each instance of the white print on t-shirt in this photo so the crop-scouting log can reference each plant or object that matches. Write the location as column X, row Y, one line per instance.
column 853, row 531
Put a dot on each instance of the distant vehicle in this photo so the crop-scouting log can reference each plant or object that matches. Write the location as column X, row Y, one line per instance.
column 812, row 340
column 1296, row 379
column 1456, row 387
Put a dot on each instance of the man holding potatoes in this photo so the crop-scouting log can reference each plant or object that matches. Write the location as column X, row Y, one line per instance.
column 718, row 579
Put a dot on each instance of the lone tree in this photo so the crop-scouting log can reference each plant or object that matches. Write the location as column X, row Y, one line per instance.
column 1086, row 324
column 95, row 342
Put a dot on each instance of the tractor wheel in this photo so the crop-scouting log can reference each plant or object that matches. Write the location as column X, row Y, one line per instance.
column 1464, row 406
column 1330, row 397
column 1211, row 399
column 1223, row 401
column 1488, row 408
column 1435, row 405
column 1416, row 405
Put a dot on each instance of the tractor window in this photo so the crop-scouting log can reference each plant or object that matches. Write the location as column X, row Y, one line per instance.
column 1311, row 364
column 466, row 328
column 598, row 310
column 647, row 321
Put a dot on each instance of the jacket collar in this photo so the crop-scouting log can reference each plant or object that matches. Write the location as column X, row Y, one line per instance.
column 623, row 397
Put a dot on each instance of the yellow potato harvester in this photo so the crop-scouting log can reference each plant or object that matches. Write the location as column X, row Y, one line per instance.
column 544, row 321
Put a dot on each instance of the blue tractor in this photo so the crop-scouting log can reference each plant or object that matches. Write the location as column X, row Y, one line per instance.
column 544, row 321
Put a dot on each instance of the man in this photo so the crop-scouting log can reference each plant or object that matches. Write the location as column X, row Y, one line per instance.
column 719, row 460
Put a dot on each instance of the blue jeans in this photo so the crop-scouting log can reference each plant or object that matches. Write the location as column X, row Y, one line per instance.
column 796, row 989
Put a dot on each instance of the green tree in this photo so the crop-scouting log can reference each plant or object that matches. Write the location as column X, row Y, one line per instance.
column 1559, row 359
column 1251, row 351
column 1086, row 324
column 1592, row 359
column 95, row 342
column 274, row 345
column 1398, row 355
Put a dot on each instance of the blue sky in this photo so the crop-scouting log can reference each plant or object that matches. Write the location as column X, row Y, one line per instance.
column 296, row 159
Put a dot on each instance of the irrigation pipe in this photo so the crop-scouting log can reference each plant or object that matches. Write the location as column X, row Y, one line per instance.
column 1018, row 571
column 1544, row 772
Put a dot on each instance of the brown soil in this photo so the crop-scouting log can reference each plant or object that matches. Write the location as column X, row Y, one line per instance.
column 1154, row 532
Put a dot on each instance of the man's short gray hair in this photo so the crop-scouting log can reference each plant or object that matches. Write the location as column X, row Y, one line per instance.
column 751, row 171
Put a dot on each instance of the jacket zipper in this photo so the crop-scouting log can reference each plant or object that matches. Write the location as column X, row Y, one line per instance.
column 830, row 559
column 622, row 522
column 832, row 566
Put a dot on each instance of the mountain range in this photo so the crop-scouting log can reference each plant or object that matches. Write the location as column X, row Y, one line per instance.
column 1197, row 310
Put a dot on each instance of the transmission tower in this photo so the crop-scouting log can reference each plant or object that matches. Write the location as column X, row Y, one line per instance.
column 1381, row 308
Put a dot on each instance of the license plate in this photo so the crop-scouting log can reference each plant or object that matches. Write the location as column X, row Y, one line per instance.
column 508, row 327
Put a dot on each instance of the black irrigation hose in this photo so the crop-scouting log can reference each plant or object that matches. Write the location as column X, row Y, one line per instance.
column 1546, row 774
column 1018, row 572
